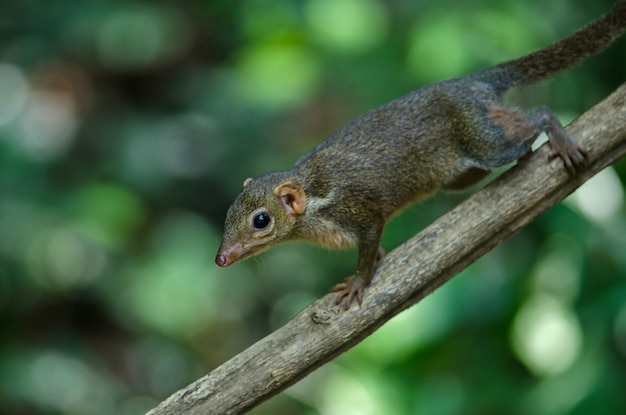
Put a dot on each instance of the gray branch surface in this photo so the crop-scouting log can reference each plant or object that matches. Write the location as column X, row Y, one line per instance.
column 322, row 331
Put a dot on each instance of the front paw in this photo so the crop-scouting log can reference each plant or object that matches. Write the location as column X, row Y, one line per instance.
column 349, row 290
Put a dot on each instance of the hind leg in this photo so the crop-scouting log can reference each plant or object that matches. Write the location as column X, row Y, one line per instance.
column 520, row 131
column 573, row 155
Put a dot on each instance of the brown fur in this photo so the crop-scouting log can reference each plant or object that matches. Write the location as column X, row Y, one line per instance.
column 512, row 123
column 446, row 135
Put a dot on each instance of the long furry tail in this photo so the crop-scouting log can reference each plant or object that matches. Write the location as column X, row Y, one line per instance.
column 560, row 55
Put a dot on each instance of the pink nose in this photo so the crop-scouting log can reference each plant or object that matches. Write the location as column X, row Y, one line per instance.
column 223, row 260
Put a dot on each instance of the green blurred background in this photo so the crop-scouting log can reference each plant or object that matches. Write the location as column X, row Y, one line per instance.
column 127, row 128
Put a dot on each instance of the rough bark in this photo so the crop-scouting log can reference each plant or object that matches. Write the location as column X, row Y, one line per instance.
column 409, row 273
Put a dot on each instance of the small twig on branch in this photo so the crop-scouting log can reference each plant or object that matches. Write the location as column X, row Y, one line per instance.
column 409, row 273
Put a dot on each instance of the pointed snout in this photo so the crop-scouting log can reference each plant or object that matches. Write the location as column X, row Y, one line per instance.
column 223, row 260
column 229, row 253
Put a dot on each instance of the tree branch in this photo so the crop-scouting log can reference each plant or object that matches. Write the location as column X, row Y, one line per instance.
column 409, row 273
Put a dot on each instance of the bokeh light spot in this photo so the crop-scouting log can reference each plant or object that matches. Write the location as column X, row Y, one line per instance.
column 169, row 290
column 136, row 37
column 601, row 198
column 110, row 213
column 412, row 330
column 546, row 336
column 14, row 90
column 348, row 25
column 67, row 385
column 450, row 43
column 277, row 75
column 64, row 258
column 48, row 125
column 558, row 272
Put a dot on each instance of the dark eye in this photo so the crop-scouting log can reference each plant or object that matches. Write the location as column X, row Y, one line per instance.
column 261, row 220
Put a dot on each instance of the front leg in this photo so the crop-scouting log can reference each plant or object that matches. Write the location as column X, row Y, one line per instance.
column 369, row 253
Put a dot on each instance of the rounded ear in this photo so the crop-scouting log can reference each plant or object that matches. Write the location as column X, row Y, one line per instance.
column 247, row 181
column 292, row 198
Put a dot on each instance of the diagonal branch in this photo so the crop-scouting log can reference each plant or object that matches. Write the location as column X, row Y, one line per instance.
column 409, row 273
